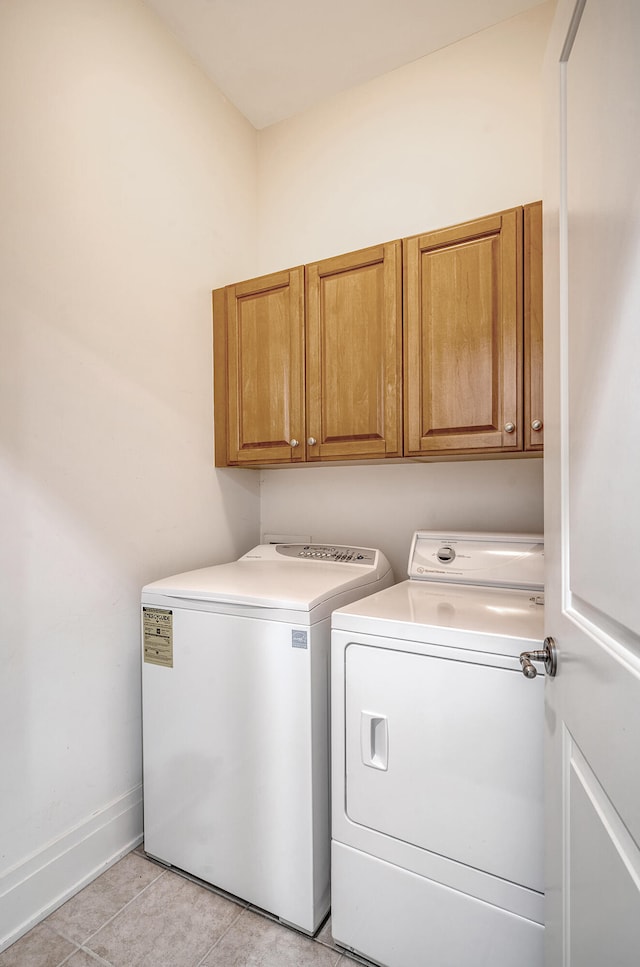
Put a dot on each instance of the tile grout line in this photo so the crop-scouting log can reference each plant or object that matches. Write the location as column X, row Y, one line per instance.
column 223, row 934
column 105, row 922
column 122, row 909
column 91, row 953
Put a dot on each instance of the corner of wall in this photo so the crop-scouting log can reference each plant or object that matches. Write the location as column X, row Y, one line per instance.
column 45, row 880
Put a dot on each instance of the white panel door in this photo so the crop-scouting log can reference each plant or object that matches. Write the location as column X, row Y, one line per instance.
column 592, row 483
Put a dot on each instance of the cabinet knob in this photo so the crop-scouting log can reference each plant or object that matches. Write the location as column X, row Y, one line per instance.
column 536, row 424
column 509, row 427
column 312, row 441
column 293, row 443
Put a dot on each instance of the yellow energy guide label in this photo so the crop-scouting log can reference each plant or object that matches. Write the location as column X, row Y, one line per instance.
column 157, row 635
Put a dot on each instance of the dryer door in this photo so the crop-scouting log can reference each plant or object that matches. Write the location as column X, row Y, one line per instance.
column 446, row 754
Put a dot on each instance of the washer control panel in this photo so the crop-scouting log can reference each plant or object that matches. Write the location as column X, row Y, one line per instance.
column 334, row 553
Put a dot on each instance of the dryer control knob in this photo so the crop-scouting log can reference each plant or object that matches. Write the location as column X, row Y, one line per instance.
column 445, row 555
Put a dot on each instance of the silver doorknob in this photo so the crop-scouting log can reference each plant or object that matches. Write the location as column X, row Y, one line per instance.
column 509, row 427
column 536, row 424
column 312, row 441
column 293, row 443
column 548, row 655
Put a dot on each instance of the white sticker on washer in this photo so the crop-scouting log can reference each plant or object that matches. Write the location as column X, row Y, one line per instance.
column 157, row 631
column 298, row 639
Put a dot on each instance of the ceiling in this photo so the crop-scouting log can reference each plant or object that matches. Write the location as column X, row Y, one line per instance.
column 275, row 58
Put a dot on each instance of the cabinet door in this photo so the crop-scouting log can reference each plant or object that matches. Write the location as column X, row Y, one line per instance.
column 463, row 338
column 354, row 355
column 259, row 370
column 533, row 416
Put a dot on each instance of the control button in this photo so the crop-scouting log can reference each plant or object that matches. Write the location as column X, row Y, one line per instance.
column 445, row 555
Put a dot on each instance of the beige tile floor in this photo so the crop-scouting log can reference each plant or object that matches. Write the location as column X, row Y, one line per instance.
column 139, row 914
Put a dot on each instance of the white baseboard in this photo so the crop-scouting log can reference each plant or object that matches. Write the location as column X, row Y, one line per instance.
column 36, row 886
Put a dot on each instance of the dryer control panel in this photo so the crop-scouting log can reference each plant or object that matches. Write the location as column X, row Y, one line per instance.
column 492, row 560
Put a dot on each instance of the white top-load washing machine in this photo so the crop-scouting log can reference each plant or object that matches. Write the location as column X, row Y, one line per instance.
column 236, row 720
column 437, row 836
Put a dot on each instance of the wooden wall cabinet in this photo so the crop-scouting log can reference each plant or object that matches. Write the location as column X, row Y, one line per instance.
column 354, row 355
column 308, row 363
column 473, row 336
column 259, row 370
column 463, row 317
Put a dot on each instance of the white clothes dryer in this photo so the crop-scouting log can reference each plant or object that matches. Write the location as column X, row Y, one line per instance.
column 236, row 720
column 437, row 837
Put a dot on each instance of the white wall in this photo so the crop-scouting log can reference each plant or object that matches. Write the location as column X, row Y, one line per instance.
column 450, row 137
column 381, row 506
column 127, row 191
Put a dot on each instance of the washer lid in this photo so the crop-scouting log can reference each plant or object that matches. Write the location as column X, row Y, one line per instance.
column 493, row 560
column 263, row 578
